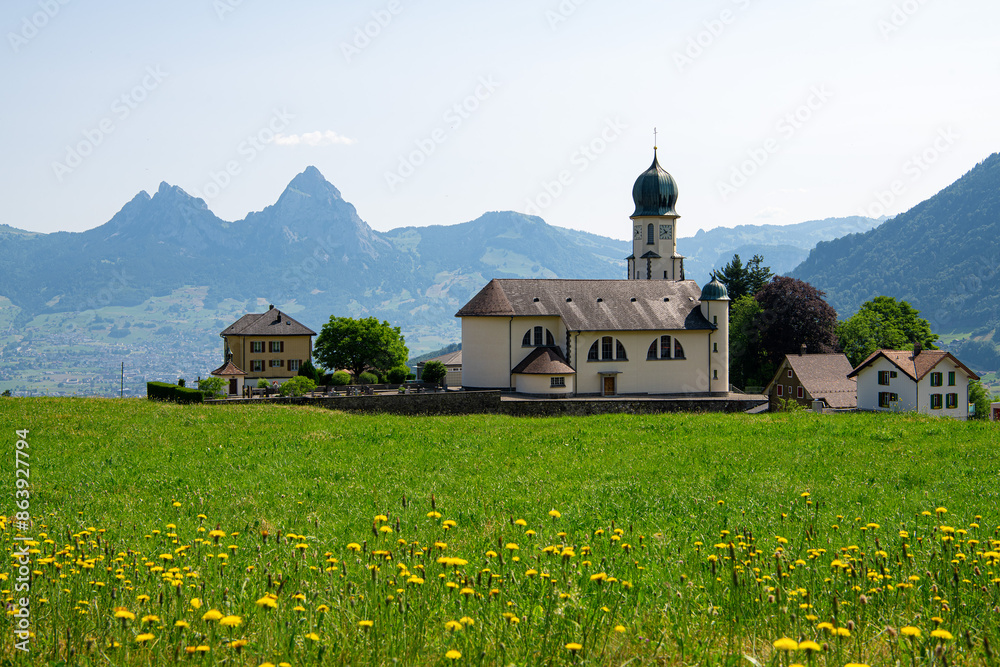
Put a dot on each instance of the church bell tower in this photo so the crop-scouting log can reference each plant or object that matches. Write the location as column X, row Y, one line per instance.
column 654, row 227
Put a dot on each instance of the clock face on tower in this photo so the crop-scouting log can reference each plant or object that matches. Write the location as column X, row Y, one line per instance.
column 665, row 231
column 638, row 232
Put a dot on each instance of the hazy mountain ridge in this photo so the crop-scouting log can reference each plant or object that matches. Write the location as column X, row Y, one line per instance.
column 783, row 247
column 943, row 256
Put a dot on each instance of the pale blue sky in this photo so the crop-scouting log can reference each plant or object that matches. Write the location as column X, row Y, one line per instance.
column 183, row 85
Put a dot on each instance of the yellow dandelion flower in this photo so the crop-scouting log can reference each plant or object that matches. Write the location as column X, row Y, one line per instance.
column 144, row 637
column 151, row 618
column 124, row 614
column 555, row 514
column 466, row 620
column 453, row 654
column 454, row 626
column 354, row 546
column 230, row 621
column 786, row 644
column 196, row 603
column 573, row 647
column 810, row 645
column 312, row 636
column 211, row 615
column 182, row 624
column 620, row 628
column 910, row 631
column 941, row 634
column 365, row 624
column 267, row 602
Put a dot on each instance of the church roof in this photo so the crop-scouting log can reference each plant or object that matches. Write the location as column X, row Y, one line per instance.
column 544, row 361
column 594, row 305
column 272, row 323
column 228, row 369
column 655, row 191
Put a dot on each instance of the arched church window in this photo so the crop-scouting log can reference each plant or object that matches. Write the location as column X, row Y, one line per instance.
column 606, row 348
column 593, row 355
column 654, row 351
column 538, row 337
column 662, row 347
column 678, row 350
column 620, row 351
column 649, row 234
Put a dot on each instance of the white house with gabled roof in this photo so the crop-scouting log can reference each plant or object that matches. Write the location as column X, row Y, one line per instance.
column 931, row 382
column 653, row 333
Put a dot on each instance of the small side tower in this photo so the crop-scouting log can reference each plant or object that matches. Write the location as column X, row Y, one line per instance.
column 654, row 227
column 715, row 308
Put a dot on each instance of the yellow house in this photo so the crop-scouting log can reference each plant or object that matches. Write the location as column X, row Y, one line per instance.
column 270, row 346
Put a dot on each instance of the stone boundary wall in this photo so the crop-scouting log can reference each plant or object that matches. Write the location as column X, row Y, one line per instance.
column 491, row 402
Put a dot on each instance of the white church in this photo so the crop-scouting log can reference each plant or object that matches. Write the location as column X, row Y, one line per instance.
column 652, row 334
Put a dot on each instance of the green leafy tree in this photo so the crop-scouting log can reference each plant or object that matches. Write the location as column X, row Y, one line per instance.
column 746, row 359
column 434, row 372
column 883, row 324
column 744, row 279
column 297, row 386
column 793, row 313
column 359, row 345
column 309, row 371
column 263, row 384
column 979, row 397
column 212, row 386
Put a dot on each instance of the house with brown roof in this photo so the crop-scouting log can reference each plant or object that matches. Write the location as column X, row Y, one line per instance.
column 931, row 382
column 805, row 378
column 652, row 333
column 270, row 346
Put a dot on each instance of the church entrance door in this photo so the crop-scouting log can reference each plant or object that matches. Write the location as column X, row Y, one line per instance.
column 609, row 385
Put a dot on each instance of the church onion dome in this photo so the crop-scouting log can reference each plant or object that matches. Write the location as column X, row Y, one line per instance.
column 655, row 191
column 715, row 291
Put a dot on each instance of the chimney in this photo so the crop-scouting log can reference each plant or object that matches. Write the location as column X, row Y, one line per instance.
column 270, row 307
column 917, row 348
column 802, row 349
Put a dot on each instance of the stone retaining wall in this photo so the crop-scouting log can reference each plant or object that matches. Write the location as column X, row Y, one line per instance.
column 494, row 402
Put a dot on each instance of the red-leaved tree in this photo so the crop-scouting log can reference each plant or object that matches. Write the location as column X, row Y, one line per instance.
column 794, row 313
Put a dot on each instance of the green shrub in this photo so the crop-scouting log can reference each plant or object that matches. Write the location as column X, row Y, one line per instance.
column 212, row 387
column 368, row 378
column 297, row 386
column 340, row 379
column 434, row 372
column 398, row 375
column 263, row 384
column 161, row 391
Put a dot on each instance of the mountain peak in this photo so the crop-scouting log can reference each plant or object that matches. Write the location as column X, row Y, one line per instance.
column 176, row 194
column 311, row 183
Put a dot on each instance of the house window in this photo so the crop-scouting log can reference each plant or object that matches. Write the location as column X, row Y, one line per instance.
column 649, row 234
column 557, row 382
column 951, row 379
column 883, row 377
column 277, row 346
column 664, row 275
column 789, row 372
column 715, row 347
column 801, row 393
column 886, row 399
column 715, row 375
column 257, row 347
column 936, row 379
column 781, row 391
column 715, row 320
column 257, row 365
column 952, row 401
column 277, row 363
column 936, row 401
column 294, row 364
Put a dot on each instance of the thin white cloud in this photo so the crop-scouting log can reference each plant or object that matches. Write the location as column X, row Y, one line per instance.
column 314, row 139
column 769, row 212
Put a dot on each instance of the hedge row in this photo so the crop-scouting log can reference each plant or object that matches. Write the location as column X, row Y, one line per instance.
column 161, row 391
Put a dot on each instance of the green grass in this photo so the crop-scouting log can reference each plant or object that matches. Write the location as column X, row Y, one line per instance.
column 672, row 485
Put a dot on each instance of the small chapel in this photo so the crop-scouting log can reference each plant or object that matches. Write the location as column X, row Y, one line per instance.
column 653, row 333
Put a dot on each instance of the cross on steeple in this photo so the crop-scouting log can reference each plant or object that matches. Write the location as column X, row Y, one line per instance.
column 654, row 138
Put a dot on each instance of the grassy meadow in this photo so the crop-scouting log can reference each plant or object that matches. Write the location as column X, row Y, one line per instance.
column 263, row 534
